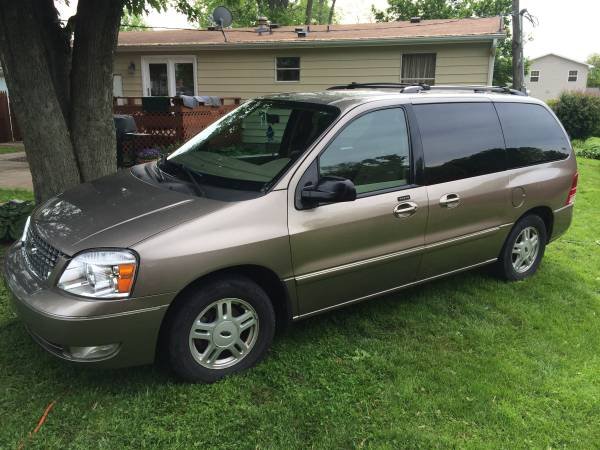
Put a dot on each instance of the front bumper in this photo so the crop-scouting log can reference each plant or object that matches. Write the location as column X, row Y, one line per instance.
column 59, row 321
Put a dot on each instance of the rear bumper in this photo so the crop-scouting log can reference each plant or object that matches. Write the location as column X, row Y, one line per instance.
column 58, row 321
column 562, row 221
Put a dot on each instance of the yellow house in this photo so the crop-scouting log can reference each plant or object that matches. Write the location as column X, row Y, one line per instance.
column 247, row 62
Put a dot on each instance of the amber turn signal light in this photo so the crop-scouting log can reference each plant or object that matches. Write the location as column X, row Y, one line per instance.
column 125, row 277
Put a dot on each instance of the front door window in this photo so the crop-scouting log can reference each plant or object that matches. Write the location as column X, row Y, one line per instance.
column 169, row 77
column 159, row 83
column 184, row 78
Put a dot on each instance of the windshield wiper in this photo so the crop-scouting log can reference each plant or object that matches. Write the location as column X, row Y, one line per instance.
column 190, row 174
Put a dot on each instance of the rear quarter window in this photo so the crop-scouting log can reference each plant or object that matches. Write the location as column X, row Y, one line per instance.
column 460, row 140
column 532, row 134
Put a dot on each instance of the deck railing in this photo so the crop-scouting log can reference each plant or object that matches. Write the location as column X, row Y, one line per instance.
column 170, row 126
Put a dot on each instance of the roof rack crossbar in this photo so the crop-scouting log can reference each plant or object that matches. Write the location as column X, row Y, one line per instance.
column 382, row 85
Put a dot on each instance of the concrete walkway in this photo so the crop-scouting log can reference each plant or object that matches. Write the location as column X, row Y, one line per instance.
column 14, row 171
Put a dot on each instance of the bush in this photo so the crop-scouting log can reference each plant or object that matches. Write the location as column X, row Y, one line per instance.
column 579, row 113
column 13, row 215
column 587, row 149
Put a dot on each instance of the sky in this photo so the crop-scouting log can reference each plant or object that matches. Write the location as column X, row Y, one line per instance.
column 570, row 28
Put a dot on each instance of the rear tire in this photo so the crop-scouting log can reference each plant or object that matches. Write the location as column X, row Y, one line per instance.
column 524, row 249
column 224, row 327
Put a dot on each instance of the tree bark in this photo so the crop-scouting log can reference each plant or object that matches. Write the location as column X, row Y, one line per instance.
column 309, row 8
column 92, row 127
column 517, row 48
column 331, row 13
column 320, row 12
column 29, row 63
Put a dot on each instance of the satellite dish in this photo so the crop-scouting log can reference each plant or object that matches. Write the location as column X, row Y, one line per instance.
column 222, row 17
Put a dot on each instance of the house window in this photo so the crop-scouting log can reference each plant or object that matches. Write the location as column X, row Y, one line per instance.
column 288, row 68
column 572, row 75
column 535, row 76
column 169, row 76
column 418, row 68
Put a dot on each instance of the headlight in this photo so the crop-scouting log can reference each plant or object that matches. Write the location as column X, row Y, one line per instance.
column 100, row 274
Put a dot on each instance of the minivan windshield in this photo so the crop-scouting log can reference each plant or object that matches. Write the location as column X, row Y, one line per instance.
column 252, row 146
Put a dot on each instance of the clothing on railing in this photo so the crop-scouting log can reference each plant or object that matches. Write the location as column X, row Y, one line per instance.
column 196, row 100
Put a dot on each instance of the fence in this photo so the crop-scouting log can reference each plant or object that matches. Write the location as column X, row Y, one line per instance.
column 9, row 130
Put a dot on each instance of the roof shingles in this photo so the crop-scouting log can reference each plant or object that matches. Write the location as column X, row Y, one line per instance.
column 471, row 27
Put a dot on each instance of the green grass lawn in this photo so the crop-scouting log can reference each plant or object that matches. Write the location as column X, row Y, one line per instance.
column 9, row 149
column 15, row 194
column 468, row 362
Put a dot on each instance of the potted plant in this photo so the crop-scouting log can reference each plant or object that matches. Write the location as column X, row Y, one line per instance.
column 147, row 155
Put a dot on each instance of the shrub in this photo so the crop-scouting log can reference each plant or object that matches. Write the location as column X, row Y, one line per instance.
column 587, row 149
column 579, row 113
column 13, row 215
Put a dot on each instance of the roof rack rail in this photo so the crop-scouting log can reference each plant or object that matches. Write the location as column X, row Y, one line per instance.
column 407, row 88
column 478, row 88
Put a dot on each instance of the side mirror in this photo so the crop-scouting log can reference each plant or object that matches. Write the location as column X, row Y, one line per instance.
column 329, row 190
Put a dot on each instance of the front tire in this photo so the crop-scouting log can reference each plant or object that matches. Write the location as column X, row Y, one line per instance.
column 225, row 327
column 524, row 249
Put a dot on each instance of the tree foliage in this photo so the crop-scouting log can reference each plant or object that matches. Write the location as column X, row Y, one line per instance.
column 579, row 113
column 245, row 12
column 594, row 75
column 132, row 22
column 441, row 9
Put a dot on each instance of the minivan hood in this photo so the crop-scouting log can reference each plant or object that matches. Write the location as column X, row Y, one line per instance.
column 114, row 211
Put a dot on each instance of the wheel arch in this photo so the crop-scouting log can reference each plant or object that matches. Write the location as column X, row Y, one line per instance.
column 546, row 214
column 264, row 277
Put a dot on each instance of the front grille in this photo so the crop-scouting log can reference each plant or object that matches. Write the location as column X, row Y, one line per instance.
column 41, row 257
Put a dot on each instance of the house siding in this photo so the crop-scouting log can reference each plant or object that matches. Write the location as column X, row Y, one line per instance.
column 554, row 72
column 250, row 73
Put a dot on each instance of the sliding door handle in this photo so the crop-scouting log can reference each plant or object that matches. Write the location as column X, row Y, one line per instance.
column 450, row 201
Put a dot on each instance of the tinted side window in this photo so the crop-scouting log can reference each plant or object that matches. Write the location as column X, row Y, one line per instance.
column 372, row 151
column 532, row 135
column 460, row 140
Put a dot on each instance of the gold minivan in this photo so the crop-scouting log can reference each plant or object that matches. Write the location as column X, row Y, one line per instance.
column 290, row 206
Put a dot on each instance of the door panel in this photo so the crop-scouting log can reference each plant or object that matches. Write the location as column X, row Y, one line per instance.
column 470, row 232
column 465, row 170
column 345, row 251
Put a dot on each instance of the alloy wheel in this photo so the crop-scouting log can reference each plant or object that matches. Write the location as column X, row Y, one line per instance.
column 224, row 333
column 525, row 249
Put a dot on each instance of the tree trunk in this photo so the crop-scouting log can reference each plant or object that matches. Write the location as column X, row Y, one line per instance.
column 92, row 126
column 320, row 12
column 517, row 48
column 37, row 102
column 309, row 8
column 331, row 13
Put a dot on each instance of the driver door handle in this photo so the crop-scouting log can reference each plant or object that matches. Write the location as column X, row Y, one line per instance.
column 405, row 209
column 450, row 201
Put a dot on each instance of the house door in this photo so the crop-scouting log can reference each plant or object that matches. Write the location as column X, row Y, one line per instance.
column 169, row 77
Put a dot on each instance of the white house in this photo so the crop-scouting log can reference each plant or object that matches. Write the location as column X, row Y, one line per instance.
column 551, row 74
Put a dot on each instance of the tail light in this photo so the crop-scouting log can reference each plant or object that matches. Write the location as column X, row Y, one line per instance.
column 573, row 190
